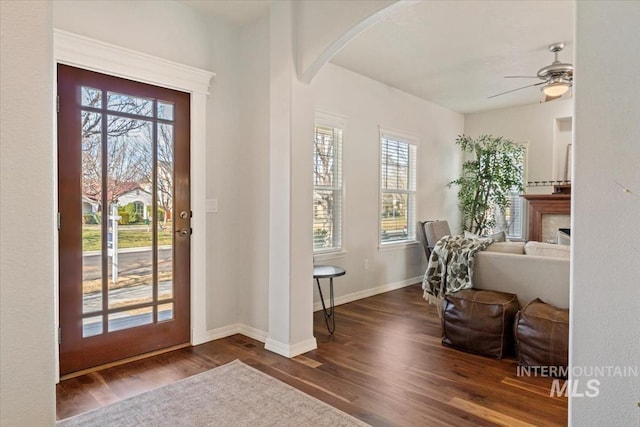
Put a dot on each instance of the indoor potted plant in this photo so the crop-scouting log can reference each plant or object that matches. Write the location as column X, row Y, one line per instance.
column 492, row 172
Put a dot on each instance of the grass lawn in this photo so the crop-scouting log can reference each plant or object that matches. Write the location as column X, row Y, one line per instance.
column 129, row 236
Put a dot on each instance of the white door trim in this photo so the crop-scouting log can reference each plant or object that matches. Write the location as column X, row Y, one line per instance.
column 95, row 55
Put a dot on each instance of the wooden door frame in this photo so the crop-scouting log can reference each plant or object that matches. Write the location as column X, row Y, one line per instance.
column 94, row 55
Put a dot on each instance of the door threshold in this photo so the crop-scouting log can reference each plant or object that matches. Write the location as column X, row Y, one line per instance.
column 123, row 361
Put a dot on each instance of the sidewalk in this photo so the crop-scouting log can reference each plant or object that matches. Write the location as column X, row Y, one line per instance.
column 128, row 250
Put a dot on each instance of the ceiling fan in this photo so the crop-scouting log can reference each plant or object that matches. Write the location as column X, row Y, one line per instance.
column 557, row 77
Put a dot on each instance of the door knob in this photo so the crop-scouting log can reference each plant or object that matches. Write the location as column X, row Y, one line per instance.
column 184, row 232
column 184, row 214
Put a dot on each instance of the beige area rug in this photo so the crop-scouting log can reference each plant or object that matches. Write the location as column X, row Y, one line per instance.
column 234, row 394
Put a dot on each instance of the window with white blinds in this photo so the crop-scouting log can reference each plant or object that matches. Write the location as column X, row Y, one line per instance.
column 327, row 188
column 512, row 219
column 397, row 189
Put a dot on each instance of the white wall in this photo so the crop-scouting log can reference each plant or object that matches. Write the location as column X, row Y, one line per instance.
column 535, row 124
column 27, row 343
column 290, row 193
column 562, row 145
column 165, row 29
column 226, row 182
column 367, row 104
column 254, row 146
column 605, row 284
column 322, row 27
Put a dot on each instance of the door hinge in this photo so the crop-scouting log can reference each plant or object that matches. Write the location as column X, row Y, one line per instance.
column 57, row 103
column 59, row 335
column 58, row 220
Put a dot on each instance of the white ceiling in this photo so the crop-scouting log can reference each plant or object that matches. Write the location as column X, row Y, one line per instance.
column 453, row 53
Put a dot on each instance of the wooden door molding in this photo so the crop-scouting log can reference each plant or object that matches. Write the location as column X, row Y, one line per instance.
column 544, row 204
column 80, row 51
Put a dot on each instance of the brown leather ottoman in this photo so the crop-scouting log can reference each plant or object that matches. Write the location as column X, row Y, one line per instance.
column 479, row 321
column 542, row 335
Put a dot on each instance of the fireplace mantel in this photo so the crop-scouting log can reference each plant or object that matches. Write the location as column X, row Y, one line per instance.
column 544, row 204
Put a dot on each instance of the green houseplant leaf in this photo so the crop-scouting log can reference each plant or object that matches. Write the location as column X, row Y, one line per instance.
column 491, row 173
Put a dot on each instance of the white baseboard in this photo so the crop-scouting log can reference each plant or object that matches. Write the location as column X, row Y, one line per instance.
column 286, row 350
column 236, row 328
column 250, row 332
column 368, row 292
column 303, row 347
column 292, row 350
column 225, row 331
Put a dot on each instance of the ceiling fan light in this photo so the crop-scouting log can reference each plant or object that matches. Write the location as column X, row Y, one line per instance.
column 555, row 89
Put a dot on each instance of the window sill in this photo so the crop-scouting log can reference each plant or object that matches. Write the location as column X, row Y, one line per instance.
column 325, row 256
column 384, row 247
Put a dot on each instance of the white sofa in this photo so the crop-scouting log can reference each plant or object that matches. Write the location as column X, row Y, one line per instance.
column 534, row 270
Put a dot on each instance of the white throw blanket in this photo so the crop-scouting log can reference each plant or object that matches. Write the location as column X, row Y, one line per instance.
column 450, row 267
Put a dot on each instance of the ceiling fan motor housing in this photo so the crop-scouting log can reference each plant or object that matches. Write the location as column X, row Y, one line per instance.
column 557, row 70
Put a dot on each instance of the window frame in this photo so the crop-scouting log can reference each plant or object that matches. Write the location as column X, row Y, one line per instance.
column 412, row 201
column 334, row 122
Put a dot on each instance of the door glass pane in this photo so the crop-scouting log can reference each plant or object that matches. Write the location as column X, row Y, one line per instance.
column 129, row 234
column 130, row 318
column 165, row 312
column 91, row 184
column 91, row 97
column 91, row 326
column 129, row 104
column 165, row 110
column 165, row 211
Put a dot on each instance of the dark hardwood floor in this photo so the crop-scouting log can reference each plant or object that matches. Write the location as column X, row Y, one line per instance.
column 384, row 365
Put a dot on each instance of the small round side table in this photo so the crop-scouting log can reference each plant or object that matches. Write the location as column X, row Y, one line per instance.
column 328, row 272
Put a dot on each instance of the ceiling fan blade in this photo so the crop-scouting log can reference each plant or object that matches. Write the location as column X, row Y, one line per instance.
column 521, row 77
column 513, row 90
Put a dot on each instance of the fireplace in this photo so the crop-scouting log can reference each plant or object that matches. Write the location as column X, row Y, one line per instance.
column 547, row 213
